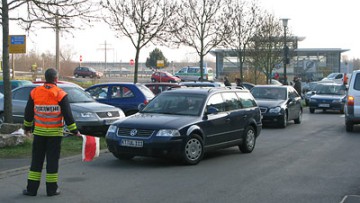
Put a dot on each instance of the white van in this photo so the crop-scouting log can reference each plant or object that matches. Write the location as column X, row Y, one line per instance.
column 191, row 73
column 352, row 104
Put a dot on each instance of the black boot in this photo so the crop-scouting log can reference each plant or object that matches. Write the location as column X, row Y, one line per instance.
column 32, row 187
column 52, row 189
column 26, row 192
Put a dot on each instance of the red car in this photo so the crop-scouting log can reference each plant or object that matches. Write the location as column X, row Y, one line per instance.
column 162, row 76
column 157, row 88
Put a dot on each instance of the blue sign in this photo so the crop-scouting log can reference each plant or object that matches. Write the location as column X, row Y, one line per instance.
column 17, row 39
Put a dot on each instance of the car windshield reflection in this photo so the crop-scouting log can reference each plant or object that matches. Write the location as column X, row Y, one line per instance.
column 269, row 93
column 76, row 95
column 176, row 104
column 331, row 90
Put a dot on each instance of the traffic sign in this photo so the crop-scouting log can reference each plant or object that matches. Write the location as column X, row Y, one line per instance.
column 17, row 44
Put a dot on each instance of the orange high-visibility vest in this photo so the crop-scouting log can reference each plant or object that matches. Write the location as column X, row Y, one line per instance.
column 48, row 119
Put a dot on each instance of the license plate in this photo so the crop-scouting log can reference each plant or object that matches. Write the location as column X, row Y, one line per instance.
column 324, row 105
column 131, row 143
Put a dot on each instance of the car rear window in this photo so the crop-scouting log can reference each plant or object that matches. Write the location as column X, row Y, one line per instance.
column 146, row 91
column 357, row 82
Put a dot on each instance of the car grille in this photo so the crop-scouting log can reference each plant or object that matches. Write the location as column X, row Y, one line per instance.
column 263, row 109
column 130, row 132
column 108, row 114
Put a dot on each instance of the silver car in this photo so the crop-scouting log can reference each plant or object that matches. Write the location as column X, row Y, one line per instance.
column 91, row 117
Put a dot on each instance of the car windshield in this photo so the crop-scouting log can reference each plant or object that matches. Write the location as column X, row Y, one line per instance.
column 76, row 95
column 331, row 89
column 269, row 93
column 177, row 104
column 332, row 75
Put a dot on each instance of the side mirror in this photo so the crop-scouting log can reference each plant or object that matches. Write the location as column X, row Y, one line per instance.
column 212, row 110
column 141, row 106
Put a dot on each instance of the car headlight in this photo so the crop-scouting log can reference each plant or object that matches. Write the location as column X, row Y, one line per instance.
column 112, row 129
column 275, row 110
column 81, row 115
column 336, row 101
column 168, row 133
column 312, row 100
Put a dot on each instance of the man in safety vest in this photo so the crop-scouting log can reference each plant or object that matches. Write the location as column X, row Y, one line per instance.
column 46, row 110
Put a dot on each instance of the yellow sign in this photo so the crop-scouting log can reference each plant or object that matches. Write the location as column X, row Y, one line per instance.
column 160, row 63
column 17, row 44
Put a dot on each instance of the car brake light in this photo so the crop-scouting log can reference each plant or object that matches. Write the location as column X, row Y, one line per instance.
column 146, row 102
column 350, row 101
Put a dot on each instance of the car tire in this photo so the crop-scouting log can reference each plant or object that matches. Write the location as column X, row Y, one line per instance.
column 193, row 150
column 312, row 110
column 123, row 156
column 299, row 118
column 153, row 80
column 249, row 140
column 76, row 75
column 284, row 120
column 349, row 126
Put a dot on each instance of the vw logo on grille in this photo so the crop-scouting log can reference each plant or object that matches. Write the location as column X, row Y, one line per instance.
column 133, row 132
column 109, row 114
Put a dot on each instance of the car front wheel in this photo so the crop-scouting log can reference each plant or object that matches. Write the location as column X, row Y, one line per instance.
column 249, row 140
column 76, row 75
column 299, row 118
column 193, row 150
column 284, row 120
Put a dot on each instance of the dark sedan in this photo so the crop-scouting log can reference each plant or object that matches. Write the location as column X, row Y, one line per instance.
column 328, row 96
column 278, row 104
column 186, row 123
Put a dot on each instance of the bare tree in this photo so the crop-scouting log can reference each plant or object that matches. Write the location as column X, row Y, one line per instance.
column 58, row 13
column 267, row 46
column 245, row 20
column 142, row 21
column 203, row 26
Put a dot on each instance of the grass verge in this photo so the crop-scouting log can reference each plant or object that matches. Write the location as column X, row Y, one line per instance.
column 70, row 146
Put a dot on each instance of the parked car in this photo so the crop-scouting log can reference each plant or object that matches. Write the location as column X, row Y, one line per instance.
column 59, row 82
column 248, row 85
column 278, row 104
column 191, row 73
column 328, row 96
column 202, row 84
column 157, row 87
column 87, row 72
column 124, row 95
column 163, row 76
column 339, row 78
column 352, row 103
column 91, row 117
column 186, row 123
column 14, row 84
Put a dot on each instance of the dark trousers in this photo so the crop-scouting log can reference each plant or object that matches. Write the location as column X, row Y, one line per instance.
column 49, row 147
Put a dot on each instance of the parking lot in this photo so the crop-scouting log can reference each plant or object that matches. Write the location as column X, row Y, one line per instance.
column 316, row 161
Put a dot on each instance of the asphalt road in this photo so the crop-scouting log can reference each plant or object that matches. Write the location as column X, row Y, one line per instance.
column 315, row 161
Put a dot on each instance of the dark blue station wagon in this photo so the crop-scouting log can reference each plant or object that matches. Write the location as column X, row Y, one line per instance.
column 187, row 122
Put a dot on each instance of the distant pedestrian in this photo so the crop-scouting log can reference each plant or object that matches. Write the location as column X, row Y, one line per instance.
column 297, row 85
column 226, row 81
column 47, row 109
column 239, row 82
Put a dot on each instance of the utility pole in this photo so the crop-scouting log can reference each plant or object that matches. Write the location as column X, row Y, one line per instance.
column 57, row 28
column 106, row 48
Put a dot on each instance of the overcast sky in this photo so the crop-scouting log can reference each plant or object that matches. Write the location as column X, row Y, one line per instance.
column 323, row 23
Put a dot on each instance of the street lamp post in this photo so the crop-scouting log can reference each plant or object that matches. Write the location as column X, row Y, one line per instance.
column 286, row 50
